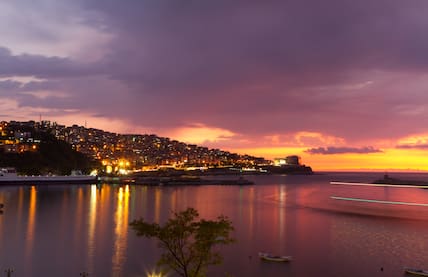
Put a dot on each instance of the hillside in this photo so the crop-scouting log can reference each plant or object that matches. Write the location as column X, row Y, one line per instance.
column 116, row 152
column 49, row 156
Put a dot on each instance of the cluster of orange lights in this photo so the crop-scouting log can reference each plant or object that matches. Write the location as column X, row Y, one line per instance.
column 120, row 166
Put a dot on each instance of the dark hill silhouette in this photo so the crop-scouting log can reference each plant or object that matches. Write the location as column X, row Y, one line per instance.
column 51, row 157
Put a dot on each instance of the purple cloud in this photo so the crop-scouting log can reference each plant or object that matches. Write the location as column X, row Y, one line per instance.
column 348, row 69
column 267, row 61
column 413, row 146
column 343, row 150
column 41, row 66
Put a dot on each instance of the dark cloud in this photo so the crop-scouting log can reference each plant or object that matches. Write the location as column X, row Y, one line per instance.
column 343, row 150
column 9, row 85
column 213, row 43
column 265, row 61
column 42, row 67
column 413, row 146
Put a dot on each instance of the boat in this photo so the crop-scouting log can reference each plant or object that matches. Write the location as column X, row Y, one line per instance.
column 9, row 176
column 416, row 271
column 274, row 258
column 399, row 182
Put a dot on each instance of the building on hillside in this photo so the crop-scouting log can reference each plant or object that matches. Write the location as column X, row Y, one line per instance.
column 293, row 160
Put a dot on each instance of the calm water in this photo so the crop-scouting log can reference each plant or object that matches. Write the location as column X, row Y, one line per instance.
column 66, row 230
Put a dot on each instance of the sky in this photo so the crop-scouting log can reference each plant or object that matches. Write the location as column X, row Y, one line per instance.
column 341, row 83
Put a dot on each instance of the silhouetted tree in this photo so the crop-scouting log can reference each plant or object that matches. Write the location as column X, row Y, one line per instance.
column 188, row 244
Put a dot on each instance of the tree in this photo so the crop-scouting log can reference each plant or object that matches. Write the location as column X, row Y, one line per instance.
column 188, row 244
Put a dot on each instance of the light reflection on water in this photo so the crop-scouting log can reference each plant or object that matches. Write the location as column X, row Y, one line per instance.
column 31, row 225
column 121, row 231
column 92, row 217
column 65, row 230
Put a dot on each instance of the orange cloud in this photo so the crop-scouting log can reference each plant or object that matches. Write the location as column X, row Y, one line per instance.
column 314, row 139
column 414, row 141
column 200, row 134
column 302, row 139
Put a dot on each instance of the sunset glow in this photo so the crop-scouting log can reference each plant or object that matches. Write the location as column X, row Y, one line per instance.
column 200, row 134
column 389, row 160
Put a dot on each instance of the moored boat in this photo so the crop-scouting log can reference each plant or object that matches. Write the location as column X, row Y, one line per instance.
column 9, row 176
column 416, row 271
column 274, row 258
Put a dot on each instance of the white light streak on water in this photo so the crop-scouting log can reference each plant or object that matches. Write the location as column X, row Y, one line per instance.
column 378, row 201
column 376, row 185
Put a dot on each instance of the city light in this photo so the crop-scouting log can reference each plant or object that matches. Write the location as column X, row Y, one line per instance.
column 94, row 172
column 120, row 154
column 155, row 274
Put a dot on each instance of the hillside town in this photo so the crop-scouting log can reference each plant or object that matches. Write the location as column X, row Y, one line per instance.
column 124, row 153
column 119, row 152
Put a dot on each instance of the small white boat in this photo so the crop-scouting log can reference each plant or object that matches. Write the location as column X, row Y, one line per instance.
column 416, row 271
column 274, row 258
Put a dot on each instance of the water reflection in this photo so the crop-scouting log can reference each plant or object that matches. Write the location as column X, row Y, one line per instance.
column 251, row 199
column 92, row 220
column 158, row 202
column 173, row 200
column 121, row 231
column 282, row 212
column 388, row 244
column 78, row 215
column 61, row 231
column 31, row 225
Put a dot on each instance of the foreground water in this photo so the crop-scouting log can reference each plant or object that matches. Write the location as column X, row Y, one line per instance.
column 68, row 230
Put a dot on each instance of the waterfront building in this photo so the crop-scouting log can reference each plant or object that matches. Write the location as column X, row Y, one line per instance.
column 292, row 160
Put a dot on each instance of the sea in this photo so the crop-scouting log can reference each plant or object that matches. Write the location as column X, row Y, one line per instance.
column 328, row 229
